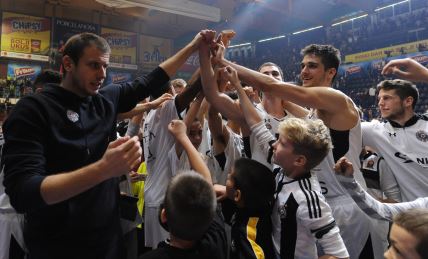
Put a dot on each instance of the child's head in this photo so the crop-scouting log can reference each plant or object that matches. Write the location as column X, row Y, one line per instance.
column 250, row 184
column 302, row 144
column 409, row 235
column 189, row 206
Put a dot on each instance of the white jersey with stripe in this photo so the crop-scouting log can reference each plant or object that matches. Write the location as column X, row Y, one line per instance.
column 272, row 125
column 182, row 163
column 375, row 208
column 157, row 143
column 404, row 150
column 347, row 214
column 301, row 218
column 345, row 143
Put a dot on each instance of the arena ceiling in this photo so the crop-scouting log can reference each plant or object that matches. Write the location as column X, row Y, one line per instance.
column 251, row 19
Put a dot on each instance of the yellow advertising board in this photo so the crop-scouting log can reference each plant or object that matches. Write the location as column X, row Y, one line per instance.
column 123, row 47
column 388, row 52
column 153, row 51
column 24, row 36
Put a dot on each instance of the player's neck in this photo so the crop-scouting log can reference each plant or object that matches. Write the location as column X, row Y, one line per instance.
column 273, row 106
column 297, row 173
column 405, row 118
column 68, row 84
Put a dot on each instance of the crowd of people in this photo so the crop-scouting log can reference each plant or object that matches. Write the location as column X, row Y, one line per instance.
column 383, row 29
column 235, row 163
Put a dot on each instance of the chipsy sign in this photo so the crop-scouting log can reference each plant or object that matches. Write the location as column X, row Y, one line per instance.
column 23, row 34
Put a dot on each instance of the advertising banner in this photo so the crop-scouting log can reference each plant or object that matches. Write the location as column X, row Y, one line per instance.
column 392, row 51
column 363, row 68
column 25, row 37
column 63, row 30
column 154, row 51
column 123, row 48
column 116, row 77
column 19, row 71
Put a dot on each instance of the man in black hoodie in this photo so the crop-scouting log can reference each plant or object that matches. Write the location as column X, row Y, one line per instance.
column 61, row 159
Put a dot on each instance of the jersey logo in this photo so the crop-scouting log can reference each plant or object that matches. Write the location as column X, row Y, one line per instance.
column 403, row 157
column 72, row 116
column 422, row 136
column 282, row 211
column 392, row 134
column 422, row 160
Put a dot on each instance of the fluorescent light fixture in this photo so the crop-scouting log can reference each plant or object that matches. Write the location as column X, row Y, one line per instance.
column 391, row 5
column 273, row 38
column 180, row 7
column 240, row 45
column 305, row 30
column 348, row 20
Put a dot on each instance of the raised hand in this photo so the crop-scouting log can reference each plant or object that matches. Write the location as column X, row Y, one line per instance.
column 218, row 51
column 407, row 69
column 136, row 177
column 344, row 167
column 159, row 101
column 220, row 192
column 207, row 36
column 230, row 74
column 226, row 36
column 177, row 128
column 121, row 156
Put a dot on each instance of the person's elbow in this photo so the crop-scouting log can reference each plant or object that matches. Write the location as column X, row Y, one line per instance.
column 25, row 197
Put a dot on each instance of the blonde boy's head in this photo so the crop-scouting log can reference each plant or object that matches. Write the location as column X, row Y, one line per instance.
column 310, row 138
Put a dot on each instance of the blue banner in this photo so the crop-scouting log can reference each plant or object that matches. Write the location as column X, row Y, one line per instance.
column 116, row 77
column 18, row 71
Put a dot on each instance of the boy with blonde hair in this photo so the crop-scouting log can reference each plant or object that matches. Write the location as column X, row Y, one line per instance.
column 301, row 217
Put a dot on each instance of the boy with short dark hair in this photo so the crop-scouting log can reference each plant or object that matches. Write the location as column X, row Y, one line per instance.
column 251, row 186
column 188, row 211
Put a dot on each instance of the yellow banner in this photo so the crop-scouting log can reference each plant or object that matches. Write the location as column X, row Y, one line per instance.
column 123, row 45
column 154, row 51
column 388, row 52
column 25, row 34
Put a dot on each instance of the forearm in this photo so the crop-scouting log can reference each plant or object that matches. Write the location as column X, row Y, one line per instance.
column 172, row 64
column 327, row 257
column 251, row 77
column 366, row 202
column 193, row 111
column 188, row 95
column 195, row 159
column 296, row 110
column 203, row 110
column 221, row 102
column 215, row 123
column 60, row 187
column 139, row 109
column 333, row 245
column 134, row 125
column 250, row 113
column 219, row 134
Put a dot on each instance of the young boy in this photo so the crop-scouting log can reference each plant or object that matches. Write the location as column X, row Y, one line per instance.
column 188, row 211
column 251, row 186
column 301, row 217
